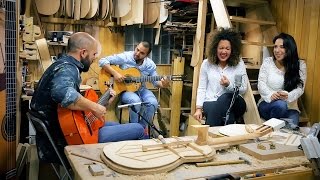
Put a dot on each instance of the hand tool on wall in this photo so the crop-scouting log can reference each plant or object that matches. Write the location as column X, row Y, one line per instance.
column 218, row 163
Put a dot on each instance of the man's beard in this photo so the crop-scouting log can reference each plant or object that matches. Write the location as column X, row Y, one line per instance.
column 86, row 63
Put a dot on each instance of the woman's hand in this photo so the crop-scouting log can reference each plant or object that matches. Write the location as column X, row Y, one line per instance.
column 224, row 81
column 275, row 96
column 198, row 115
column 283, row 95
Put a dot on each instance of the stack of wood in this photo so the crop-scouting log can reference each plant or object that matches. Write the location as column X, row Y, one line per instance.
column 30, row 34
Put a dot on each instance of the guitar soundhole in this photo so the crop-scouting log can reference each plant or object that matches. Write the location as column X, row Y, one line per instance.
column 128, row 80
column 8, row 129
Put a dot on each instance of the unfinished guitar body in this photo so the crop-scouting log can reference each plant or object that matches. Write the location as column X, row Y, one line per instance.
column 148, row 156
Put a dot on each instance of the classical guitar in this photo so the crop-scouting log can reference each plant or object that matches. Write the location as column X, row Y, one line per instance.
column 81, row 127
column 132, row 81
column 8, row 91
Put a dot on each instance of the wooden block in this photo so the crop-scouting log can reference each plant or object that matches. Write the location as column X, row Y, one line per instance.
column 275, row 123
column 96, row 170
column 44, row 53
column 269, row 154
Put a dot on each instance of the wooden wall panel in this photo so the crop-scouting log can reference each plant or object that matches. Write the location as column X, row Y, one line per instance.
column 301, row 19
column 298, row 21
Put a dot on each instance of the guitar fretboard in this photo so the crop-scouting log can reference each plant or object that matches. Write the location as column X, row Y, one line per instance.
column 145, row 79
column 104, row 98
column 10, row 53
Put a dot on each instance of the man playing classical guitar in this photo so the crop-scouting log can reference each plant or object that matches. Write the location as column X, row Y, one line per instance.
column 136, row 59
column 59, row 86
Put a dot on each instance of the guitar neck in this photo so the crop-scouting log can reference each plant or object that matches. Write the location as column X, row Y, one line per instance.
column 147, row 78
column 104, row 98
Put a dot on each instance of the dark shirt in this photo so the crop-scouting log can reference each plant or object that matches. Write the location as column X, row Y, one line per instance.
column 58, row 85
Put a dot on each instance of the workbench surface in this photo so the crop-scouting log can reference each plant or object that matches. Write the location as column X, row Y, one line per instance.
column 185, row 171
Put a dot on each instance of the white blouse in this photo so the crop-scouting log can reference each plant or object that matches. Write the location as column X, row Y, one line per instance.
column 209, row 88
column 271, row 80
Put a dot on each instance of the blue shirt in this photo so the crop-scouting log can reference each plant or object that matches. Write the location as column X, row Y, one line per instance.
column 126, row 60
column 58, row 85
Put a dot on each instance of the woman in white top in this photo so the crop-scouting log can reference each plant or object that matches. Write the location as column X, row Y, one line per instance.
column 281, row 81
column 217, row 80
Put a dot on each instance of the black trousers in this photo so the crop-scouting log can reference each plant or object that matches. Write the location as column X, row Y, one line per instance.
column 215, row 111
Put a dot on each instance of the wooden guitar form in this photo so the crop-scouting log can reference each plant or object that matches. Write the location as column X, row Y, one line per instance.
column 81, row 127
column 149, row 157
column 266, row 128
column 132, row 82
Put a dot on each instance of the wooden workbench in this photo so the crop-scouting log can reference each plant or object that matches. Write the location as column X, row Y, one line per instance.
column 185, row 171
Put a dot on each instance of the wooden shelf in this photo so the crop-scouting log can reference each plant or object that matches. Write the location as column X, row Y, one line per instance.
column 72, row 21
column 255, row 92
column 256, row 43
column 251, row 21
column 56, row 43
column 246, row 2
column 249, row 66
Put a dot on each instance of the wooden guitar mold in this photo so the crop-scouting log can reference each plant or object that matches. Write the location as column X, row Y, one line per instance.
column 149, row 157
column 266, row 128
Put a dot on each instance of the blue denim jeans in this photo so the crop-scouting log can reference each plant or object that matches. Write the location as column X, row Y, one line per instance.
column 113, row 131
column 215, row 111
column 278, row 109
column 146, row 110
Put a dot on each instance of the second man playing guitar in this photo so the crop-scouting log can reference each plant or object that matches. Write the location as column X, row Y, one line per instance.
column 137, row 59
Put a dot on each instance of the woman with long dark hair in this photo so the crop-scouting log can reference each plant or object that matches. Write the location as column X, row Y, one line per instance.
column 281, row 81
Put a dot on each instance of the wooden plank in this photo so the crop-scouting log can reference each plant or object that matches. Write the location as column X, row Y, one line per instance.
column 316, row 84
column 298, row 22
column 279, row 14
column 285, row 15
column 198, row 43
column 281, row 151
column 256, row 43
column 251, row 21
column 197, row 54
column 292, row 17
column 248, row 2
column 53, row 20
column 178, row 68
column 312, row 6
column 220, row 13
column 251, row 116
column 45, row 57
column 191, row 131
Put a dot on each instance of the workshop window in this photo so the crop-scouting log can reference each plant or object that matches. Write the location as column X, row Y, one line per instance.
column 160, row 53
